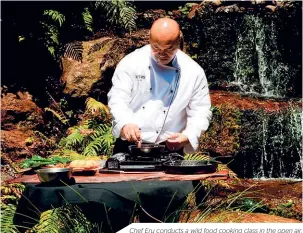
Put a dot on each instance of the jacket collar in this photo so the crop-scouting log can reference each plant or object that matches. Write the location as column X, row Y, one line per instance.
column 174, row 61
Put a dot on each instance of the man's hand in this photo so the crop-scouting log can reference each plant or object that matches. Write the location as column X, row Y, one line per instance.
column 176, row 141
column 131, row 133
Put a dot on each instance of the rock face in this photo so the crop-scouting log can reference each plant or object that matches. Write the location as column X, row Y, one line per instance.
column 263, row 135
column 246, row 44
column 20, row 116
column 18, row 111
column 99, row 58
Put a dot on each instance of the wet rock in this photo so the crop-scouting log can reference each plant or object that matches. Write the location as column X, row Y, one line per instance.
column 98, row 57
column 228, row 9
column 193, row 10
column 14, row 143
column 271, row 8
column 19, row 111
column 258, row 2
column 146, row 18
column 20, row 119
column 278, row 3
column 215, row 2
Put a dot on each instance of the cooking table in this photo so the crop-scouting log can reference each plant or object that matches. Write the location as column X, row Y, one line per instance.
column 128, row 176
column 157, row 192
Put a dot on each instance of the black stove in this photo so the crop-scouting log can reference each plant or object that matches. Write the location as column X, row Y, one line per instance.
column 129, row 162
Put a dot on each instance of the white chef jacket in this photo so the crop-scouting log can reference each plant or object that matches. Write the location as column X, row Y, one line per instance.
column 160, row 99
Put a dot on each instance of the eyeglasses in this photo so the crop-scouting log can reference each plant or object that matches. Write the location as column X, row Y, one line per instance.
column 168, row 50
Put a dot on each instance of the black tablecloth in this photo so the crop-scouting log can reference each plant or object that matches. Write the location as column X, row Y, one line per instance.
column 122, row 198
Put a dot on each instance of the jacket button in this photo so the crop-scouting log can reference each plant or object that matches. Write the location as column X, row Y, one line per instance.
column 171, row 91
column 143, row 107
column 164, row 112
column 177, row 71
column 150, row 89
column 157, row 132
column 148, row 67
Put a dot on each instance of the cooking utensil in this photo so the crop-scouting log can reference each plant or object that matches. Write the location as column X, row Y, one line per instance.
column 146, row 150
column 190, row 166
column 54, row 174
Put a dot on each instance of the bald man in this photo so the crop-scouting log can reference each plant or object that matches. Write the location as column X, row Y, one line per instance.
column 159, row 94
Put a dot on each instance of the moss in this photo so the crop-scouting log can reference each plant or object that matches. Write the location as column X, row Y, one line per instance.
column 223, row 134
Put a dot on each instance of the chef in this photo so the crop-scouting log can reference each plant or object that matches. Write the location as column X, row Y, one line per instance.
column 159, row 94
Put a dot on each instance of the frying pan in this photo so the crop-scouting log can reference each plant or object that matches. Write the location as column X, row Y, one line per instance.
column 190, row 166
column 147, row 150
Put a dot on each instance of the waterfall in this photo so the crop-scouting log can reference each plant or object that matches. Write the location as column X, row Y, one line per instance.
column 263, row 158
column 279, row 154
column 259, row 68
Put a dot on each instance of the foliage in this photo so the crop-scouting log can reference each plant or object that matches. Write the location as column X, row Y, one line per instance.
column 7, row 217
column 212, row 206
column 51, row 28
column 223, row 134
column 56, row 16
column 73, row 50
column 57, row 109
column 186, row 8
column 94, row 135
column 97, row 108
column 68, row 218
column 205, row 156
column 91, row 138
column 58, row 115
column 197, row 156
column 286, row 210
column 10, row 194
column 73, row 155
column 119, row 12
column 88, row 19
column 14, row 189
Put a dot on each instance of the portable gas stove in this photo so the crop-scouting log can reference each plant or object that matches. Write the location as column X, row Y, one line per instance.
column 130, row 162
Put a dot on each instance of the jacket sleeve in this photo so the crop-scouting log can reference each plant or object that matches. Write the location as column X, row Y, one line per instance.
column 198, row 113
column 119, row 98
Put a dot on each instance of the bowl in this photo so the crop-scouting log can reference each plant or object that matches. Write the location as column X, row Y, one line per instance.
column 54, row 174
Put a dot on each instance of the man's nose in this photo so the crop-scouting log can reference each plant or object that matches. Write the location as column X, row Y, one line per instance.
column 162, row 53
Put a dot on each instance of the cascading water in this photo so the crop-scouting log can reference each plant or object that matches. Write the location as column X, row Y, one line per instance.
column 259, row 67
column 277, row 153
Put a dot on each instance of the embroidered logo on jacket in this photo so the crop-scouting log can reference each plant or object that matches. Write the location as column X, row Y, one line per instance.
column 139, row 77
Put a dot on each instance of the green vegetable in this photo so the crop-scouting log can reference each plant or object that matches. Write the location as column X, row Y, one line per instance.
column 38, row 161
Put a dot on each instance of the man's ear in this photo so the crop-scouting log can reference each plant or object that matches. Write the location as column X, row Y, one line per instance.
column 181, row 41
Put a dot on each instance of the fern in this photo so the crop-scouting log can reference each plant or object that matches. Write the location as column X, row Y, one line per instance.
column 96, row 107
column 59, row 115
column 197, row 156
column 74, row 50
column 98, row 46
column 102, row 141
column 51, row 37
column 119, row 12
column 66, row 153
column 68, row 218
column 7, row 217
column 56, row 16
column 128, row 16
column 88, row 19
column 72, row 140
column 92, row 137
